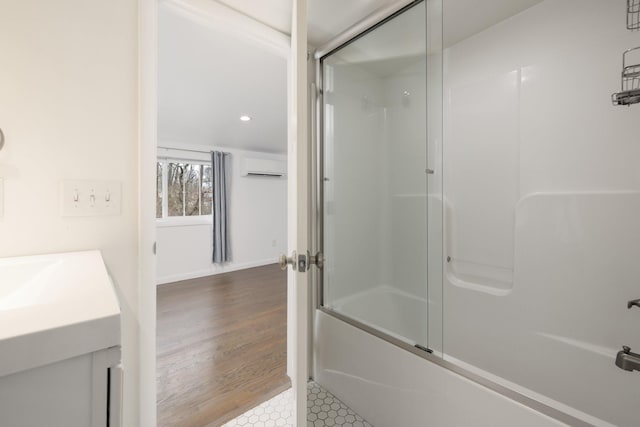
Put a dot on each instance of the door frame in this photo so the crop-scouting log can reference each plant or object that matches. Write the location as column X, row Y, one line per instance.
column 299, row 209
column 238, row 25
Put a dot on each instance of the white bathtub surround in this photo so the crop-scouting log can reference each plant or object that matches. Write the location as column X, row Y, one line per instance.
column 541, row 195
column 258, row 219
column 323, row 410
column 542, row 198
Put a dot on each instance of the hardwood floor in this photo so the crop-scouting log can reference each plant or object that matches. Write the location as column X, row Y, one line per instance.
column 221, row 346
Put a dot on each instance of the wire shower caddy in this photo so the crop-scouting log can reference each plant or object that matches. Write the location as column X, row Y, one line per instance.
column 630, row 86
column 633, row 14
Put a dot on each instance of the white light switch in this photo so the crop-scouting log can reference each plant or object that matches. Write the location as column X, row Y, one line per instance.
column 90, row 198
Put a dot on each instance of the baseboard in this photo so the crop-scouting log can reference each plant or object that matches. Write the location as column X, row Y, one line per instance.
column 227, row 268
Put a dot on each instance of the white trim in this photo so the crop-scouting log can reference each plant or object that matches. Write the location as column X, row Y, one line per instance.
column 184, row 221
column 165, row 190
column 177, row 155
column 298, row 203
column 144, row 404
column 215, row 270
column 191, row 158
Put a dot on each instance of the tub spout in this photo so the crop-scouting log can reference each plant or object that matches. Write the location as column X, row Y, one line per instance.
column 627, row 360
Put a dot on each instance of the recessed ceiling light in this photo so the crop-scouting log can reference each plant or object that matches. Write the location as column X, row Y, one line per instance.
column 245, row 118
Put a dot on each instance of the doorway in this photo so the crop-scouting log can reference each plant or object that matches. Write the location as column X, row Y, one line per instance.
column 221, row 326
column 299, row 217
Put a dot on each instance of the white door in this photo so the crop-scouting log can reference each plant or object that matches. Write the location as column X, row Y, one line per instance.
column 298, row 278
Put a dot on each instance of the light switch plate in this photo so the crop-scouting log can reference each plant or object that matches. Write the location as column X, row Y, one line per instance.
column 90, row 198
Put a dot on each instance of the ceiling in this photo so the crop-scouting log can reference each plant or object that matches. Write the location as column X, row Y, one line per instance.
column 464, row 18
column 327, row 18
column 208, row 79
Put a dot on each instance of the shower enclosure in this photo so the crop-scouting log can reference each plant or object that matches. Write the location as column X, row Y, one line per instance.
column 478, row 199
column 375, row 181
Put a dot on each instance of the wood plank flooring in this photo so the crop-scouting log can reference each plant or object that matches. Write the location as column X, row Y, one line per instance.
column 221, row 346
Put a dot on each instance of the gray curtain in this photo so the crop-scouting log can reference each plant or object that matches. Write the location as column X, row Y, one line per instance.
column 221, row 170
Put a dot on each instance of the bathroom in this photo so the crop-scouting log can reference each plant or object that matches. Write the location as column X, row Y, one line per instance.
column 505, row 222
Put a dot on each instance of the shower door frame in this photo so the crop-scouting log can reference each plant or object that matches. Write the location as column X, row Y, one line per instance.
column 317, row 211
column 351, row 35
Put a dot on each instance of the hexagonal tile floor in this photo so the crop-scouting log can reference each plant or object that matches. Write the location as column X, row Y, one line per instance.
column 323, row 410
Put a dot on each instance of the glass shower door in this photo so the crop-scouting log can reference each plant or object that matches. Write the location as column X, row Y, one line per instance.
column 375, row 176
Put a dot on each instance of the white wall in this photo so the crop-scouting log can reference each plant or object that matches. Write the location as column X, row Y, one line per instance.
column 542, row 191
column 68, row 106
column 258, row 224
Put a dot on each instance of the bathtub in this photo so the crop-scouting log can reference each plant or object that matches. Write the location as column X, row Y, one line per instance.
column 391, row 387
column 390, row 311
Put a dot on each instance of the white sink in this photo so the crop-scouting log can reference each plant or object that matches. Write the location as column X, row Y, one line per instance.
column 53, row 307
column 24, row 282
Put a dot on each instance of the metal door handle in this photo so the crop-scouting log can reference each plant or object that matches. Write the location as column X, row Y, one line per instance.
column 635, row 302
column 317, row 259
column 285, row 260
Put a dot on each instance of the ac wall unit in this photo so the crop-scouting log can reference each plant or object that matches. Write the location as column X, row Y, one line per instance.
column 263, row 167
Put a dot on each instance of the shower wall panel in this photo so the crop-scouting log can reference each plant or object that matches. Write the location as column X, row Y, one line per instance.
column 543, row 179
column 405, row 94
column 355, row 177
column 482, row 142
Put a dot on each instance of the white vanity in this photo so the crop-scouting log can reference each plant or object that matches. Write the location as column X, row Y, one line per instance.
column 59, row 342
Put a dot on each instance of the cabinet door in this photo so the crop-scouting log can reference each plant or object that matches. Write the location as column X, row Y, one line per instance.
column 55, row 395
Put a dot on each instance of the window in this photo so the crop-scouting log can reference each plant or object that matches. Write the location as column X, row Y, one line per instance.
column 183, row 189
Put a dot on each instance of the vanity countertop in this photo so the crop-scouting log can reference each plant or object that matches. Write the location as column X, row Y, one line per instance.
column 54, row 307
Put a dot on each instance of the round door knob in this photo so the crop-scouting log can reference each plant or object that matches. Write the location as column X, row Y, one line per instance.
column 316, row 259
column 284, row 260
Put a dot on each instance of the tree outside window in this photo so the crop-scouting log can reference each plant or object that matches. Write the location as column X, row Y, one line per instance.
column 183, row 189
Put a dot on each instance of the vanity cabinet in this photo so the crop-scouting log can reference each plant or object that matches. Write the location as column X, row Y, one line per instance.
column 60, row 338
